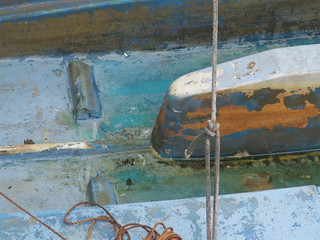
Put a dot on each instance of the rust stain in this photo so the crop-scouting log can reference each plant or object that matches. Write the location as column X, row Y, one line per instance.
column 168, row 132
column 238, row 119
column 167, row 151
column 206, row 95
column 251, row 65
column 197, row 125
column 234, row 118
column 199, row 112
column 248, row 74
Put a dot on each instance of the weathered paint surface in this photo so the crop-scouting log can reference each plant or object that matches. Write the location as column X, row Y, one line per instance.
column 45, row 147
column 53, row 180
column 292, row 213
column 35, row 95
column 266, row 103
column 131, row 89
column 49, row 27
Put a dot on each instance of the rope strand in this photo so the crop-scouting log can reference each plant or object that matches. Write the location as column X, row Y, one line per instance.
column 34, row 217
column 214, row 118
column 121, row 231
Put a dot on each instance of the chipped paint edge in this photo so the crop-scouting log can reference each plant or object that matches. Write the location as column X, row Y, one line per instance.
column 30, row 148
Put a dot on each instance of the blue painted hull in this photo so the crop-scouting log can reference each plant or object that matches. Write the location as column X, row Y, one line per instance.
column 132, row 84
column 35, row 102
column 268, row 103
column 51, row 27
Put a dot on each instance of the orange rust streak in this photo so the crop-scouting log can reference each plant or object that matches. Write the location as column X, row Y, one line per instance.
column 199, row 112
column 203, row 95
column 238, row 119
column 168, row 132
column 197, row 125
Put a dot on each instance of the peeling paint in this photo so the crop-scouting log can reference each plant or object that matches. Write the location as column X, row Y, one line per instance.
column 260, row 114
column 26, row 148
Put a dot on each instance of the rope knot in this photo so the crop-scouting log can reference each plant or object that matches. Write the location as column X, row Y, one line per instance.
column 211, row 128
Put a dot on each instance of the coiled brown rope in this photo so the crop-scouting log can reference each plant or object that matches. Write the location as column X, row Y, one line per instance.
column 152, row 234
column 167, row 233
column 121, row 231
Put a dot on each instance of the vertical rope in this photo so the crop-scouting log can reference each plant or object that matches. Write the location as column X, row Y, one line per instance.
column 208, row 185
column 216, row 186
column 214, row 61
column 214, row 119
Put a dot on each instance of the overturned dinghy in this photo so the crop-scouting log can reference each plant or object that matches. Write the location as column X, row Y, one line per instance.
column 267, row 103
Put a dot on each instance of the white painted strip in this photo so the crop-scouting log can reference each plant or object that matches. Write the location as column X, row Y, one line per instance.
column 268, row 65
column 28, row 148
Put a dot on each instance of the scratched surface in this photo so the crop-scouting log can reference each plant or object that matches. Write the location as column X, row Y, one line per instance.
column 292, row 213
column 266, row 103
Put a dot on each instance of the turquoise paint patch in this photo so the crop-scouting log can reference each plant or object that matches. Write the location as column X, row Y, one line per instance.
column 146, row 120
column 141, row 88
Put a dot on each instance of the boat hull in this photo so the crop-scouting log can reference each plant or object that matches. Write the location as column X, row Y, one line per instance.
column 51, row 27
column 276, row 115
